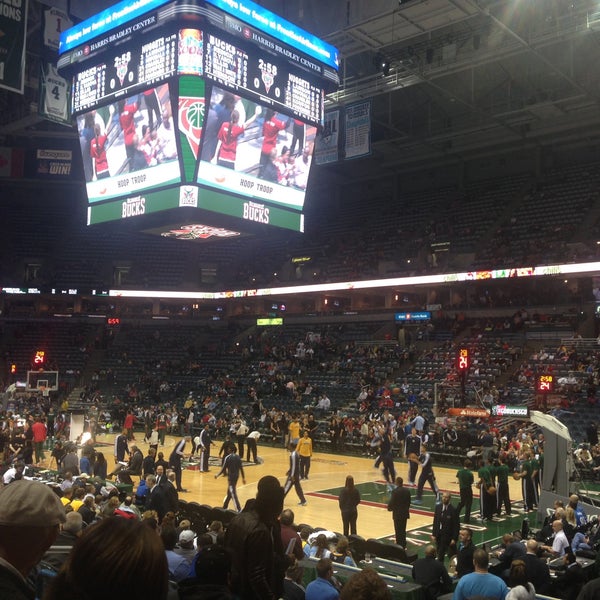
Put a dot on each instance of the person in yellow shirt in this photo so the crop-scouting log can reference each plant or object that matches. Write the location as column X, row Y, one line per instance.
column 294, row 430
column 77, row 500
column 305, row 450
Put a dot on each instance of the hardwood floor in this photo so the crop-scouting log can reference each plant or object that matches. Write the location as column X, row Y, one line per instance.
column 327, row 474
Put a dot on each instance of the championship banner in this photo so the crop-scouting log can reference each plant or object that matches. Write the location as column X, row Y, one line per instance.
column 13, row 29
column 55, row 95
column 55, row 22
column 327, row 142
column 357, row 130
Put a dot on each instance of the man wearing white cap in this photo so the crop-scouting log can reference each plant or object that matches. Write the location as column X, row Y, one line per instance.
column 30, row 516
column 186, row 545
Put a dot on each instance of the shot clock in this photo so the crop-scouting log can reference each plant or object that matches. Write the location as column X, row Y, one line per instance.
column 463, row 360
column 545, row 383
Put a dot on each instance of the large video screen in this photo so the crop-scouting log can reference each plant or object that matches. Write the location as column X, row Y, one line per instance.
column 251, row 150
column 129, row 146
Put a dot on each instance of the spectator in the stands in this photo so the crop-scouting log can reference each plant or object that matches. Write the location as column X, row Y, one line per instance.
column 212, row 574
column 559, row 541
column 365, row 585
column 480, row 582
column 30, row 515
column 325, row 586
column 342, row 553
column 292, row 584
column 431, row 574
column 520, row 586
column 70, row 531
column 179, row 565
column 116, row 558
column 537, row 569
column 254, row 538
column 569, row 582
column 290, row 539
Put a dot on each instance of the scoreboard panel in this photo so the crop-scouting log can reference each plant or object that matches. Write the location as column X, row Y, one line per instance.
column 156, row 83
column 125, row 71
column 259, row 75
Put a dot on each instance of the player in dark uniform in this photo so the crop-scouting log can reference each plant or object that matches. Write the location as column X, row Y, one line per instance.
column 502, row 489
column 465, row 483
column 535, row 477
column 426, row 475
column 487, row 501
column 412, row 445
column 293, row 476
column 175, row 461
column 527, row 474
column 387, row 460
column 205, row 443
column 232, row 467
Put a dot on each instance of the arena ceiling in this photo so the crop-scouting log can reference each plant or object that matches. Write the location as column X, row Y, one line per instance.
column 466, row 77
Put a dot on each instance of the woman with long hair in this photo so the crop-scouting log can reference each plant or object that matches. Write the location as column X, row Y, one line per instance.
column 100, row 466
column 320, row 547
column 521, row 588
column 348, row 500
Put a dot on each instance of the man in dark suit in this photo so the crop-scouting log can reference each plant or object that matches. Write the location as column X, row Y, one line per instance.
column 446, row 525
column 431, row 574
column 156, row 498
column 537, row 569
column 399, row 506
column 466, row 549
column 170, row 491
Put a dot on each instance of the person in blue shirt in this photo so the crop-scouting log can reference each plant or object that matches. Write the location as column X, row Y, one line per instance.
column 580, row 515
column 323, row 587
column 85, row 465
column 480, row 582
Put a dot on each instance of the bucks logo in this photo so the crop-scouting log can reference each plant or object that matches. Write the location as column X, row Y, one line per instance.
column 199, row 232
column 121, row 65
column 268, row 72
column 191, row 119
column 188, row 196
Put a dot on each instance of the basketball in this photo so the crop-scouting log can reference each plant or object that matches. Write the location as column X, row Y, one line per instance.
column 412, row 455
column 491, row 490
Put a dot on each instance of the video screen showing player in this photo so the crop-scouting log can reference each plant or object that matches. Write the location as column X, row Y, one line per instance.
column 129, row 146
column 251, row 150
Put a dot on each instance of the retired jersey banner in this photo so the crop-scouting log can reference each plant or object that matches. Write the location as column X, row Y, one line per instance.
column 55, row 22
column 54, row 95
column 327, row 142
column 13, row 29
column 357, row 130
